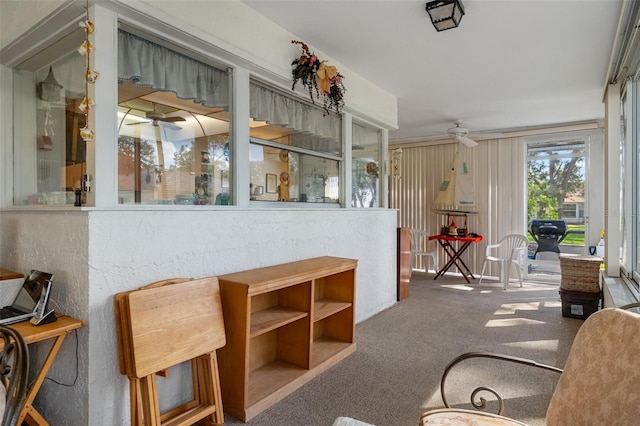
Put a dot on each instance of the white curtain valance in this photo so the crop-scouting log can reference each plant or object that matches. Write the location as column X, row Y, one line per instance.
column 315, row 130
column 69, row 73
column 150, row 65
column 365, row 136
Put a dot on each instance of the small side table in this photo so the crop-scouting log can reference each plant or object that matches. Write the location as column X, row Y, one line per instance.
column 455, row 253
column 56, row 330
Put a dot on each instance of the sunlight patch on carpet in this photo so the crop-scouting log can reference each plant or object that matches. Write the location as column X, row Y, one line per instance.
column 458, row 287
column 545, row 345
column 434, row 400
column 511, row 308
column 511, row 322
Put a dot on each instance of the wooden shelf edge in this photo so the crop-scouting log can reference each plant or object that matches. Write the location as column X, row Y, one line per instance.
column 259, row 406
column 327, row 350
column 325, row 307
column 270, row 278
column 272, row 318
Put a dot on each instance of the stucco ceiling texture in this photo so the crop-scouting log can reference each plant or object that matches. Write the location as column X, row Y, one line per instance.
column 511, row 64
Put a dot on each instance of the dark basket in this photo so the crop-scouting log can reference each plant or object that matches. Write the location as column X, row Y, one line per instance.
column 580, row 305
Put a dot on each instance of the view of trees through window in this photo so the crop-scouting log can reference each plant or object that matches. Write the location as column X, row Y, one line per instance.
column 556, row 185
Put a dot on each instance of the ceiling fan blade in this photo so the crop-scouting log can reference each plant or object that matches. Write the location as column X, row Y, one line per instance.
column 167, row 125
column 135, row 123
column 467, row 141
column 172, row 119
column 486, row 135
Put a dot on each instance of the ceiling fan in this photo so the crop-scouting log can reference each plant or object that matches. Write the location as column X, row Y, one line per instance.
column 460, row 133
column 156, row 117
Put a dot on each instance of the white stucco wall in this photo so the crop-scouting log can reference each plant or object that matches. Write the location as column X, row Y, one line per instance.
column 96, row 254
column 55, row 242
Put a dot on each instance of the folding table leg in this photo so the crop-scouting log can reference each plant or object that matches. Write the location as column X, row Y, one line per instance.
column 134, row 400
column 150, row 404
column 209, row 386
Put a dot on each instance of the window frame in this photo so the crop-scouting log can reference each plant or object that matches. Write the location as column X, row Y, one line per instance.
column 340, row 159
column 379, row 161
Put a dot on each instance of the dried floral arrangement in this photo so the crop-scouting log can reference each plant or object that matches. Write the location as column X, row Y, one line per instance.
column 318, row 77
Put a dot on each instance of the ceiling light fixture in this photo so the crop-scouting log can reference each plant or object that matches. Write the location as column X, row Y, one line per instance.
column 445, row 14
column 49, row 89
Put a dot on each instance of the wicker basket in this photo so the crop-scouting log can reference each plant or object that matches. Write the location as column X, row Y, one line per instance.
column 580, row 273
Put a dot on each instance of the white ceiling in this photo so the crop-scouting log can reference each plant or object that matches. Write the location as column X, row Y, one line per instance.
column 511, row 64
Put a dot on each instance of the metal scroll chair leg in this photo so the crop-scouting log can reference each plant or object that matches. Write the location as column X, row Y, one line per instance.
column 14, row 373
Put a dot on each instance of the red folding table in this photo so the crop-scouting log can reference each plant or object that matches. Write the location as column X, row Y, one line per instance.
column 454, row 252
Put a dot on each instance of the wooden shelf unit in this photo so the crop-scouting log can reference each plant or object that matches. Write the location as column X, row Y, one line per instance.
column 285, row 324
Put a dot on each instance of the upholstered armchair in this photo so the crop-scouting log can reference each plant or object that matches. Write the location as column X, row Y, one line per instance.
column 599, row 385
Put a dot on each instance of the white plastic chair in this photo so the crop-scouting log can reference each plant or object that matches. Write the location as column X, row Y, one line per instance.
column 507, row 252
column 420, row 248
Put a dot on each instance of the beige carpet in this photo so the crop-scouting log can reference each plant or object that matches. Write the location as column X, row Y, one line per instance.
column 395, row 373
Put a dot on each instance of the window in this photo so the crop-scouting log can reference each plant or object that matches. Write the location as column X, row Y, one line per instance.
column 173, row 124
column 365, row 151
column 635, row 190
column 47, row 144
column 556, row 179
column 630, row 170
column 296, row 150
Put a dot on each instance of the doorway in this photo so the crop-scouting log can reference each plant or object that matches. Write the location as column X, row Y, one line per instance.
column 556, row 202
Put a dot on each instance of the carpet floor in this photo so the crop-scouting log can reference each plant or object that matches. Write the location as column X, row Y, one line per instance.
column 394, row 375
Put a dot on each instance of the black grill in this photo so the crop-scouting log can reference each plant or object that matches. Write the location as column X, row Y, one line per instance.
column 548, row 234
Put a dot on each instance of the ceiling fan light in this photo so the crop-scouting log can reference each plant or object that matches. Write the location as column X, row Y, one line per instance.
column 445, row 14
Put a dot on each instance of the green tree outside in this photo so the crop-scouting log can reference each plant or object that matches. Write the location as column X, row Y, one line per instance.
column 554, row 173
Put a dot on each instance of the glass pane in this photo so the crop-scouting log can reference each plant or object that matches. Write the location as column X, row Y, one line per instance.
column 283, row 175
column 365, row 152
column 49, row 154
column 184, row 160
column 635, row 188
column 172, row 150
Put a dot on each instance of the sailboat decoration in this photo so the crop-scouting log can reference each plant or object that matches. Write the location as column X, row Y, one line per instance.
column 456, row 195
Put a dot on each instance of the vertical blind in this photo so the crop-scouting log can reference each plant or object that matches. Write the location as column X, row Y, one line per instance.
column 498, row 168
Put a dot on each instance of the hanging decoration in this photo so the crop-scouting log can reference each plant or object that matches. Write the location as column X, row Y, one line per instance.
column 49, row 89
column 396, row 163
column 456, row 194
column 90, row 76
column 318, row 77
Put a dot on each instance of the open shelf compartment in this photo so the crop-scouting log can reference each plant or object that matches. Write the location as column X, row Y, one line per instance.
column 279, row 308
column 332, row 335
column 333, row 293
